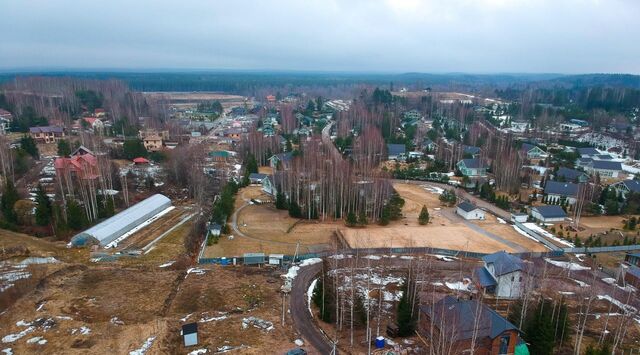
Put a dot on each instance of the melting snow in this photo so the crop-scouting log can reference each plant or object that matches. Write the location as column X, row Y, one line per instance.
column 7, row 351
column 567, row 265
column 169, row 263
column 459, row 285
column 310, row 295
column 198, row 352
column 310, row 261
column 406, row 257
column 186, row 317
column 143, row 349
column 223, row 316
column 38, row 340
column 627, row 308
column 501, row 221
column 581, row 283
column 445, row 258
column 13, row 337
column 373, row 257
column 534, row 227
column 298, row 342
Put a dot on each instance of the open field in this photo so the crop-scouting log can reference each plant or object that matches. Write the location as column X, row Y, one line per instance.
column 506, row 231
column 115, row 310
column 269, row 230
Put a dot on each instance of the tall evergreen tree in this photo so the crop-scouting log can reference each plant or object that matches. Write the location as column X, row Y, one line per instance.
column 28, row 144
column 407, row 310
column 9, row 198
column 423, row 218
column 64, row 148
column 76, row 218
column 43, row 208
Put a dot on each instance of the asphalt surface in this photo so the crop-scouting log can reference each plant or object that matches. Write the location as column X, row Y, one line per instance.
column 300, row 311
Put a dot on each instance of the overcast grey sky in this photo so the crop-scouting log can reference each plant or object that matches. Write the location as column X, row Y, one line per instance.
column 560, row 36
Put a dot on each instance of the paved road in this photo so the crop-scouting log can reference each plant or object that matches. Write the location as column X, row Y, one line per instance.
column 300, row 311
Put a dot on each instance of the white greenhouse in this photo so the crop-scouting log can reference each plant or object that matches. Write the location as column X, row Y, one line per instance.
column 115, row 227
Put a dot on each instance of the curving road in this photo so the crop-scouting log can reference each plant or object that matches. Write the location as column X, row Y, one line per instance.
column 300, row 311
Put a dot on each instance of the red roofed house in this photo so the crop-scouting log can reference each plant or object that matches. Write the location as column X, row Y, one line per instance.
column 84, row 167
column 95, row 124
column 271, row 98
column 140, row 160
column 100, row 112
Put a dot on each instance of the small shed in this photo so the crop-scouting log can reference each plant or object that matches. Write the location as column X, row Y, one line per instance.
column 190, row 334
column 519, row 217
column 276, row 259
column 469, row 211
column 253, row 258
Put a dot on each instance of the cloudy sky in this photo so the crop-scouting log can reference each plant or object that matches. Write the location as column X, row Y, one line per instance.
column 479, row 36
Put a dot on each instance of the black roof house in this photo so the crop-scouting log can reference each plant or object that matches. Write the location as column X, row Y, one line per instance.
column 561, row 188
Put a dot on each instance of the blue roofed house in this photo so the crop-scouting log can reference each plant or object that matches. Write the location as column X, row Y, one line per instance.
column 604, row 168
column 470, row 151
column 269, row 186
column 501, row 275
column 458, row 321
column 556, row 192
column 571, row 175
column 472, row 167
column 623, row 188
column 588, row 152
column 548, row 214
column 395, row 151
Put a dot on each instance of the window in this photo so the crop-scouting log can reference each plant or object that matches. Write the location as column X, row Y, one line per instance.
column 504, row 344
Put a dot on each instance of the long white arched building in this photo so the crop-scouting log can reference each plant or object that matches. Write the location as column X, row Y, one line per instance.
column 114, row 227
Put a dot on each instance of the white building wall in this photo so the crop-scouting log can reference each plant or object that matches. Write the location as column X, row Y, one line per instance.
column 475, row 214
column 509, row 285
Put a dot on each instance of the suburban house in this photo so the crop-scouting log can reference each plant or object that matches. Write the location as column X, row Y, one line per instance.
column 47, row 134
column 583, row 162
column 152, row 143
column 633, row 259
column 95, row 124
column 501, row 275
column 632, row 276
column 395, row 151
column 256, row 178
column 519, row 217
column 519, row 126
column 548, row 214
column 470, row 151
column 282, row 159
column 80, row 166
column 533, row 152
column 5, row 121
column 452, row 322
column 605, row 168
column 623, row 188
column 472, row 167
column 559, row 191
column 588, row 152
column 427, row 144
column 469, row 211
column 269, row 186
column 571, row 175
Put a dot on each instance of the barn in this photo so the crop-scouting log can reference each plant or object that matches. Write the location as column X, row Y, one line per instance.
column 112, row 228
column 469, row 211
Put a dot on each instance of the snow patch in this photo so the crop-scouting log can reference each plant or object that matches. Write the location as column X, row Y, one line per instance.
column 310, row 261
column 567, row 265
column 463, row 285
column 373, row 257
column 143, row 349
column 37, row 340
column 167, row 264
column 627, row 308
column 198, row 352
column 445, row 258
column 310, row 295
column 13, row 337
column 223, row 316
column 298, row 342
column 534, row 227
column 7, row 351
column 501, row 221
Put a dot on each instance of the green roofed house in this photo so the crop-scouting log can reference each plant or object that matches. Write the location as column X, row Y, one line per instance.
column 472, row 167
column 220, row 155
column 254, row 258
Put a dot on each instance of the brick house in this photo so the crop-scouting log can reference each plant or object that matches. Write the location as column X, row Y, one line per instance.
column 454, row 321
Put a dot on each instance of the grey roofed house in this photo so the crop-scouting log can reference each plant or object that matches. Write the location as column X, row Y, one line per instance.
column 588, row 151
column 503, row 262
column 570, row 174
column 469, row 149
column 46, row 129
column 607, row 165
column 632, row 185
column 257, row 177
column 467, row 207
column 584, row 161
column 561, row 188
column 395, row 149
column 114, row 227
column 473, row 163
column 459, row 316
column 604, row 157
column 550, row 211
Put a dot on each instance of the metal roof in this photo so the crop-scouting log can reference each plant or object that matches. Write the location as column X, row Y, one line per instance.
column 473, row 163
column 484, row 277
column 607, row 165
column 461, row 319
column 561, row 188
column 110, row 229
column 588, row 151
column 569, row 174
column 632, row 185
column 503, row 263
column 189, row 328
column 395, row 149
column 467, row 207
column 550, row 211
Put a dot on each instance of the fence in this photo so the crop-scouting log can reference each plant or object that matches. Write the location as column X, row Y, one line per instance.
column 592, row 250
column 379, row 251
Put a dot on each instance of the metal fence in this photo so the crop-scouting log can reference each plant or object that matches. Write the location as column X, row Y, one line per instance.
column 591, row 250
